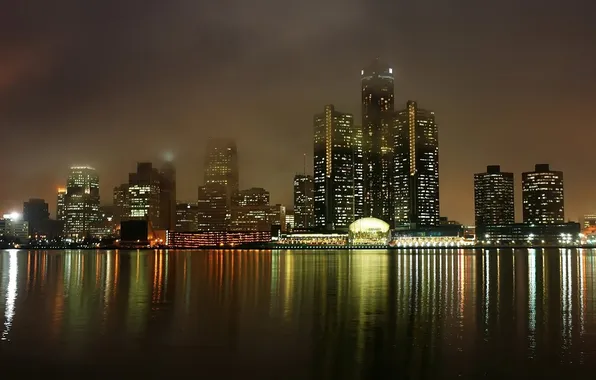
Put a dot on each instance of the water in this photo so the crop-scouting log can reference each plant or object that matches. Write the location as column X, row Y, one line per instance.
column 298, row 314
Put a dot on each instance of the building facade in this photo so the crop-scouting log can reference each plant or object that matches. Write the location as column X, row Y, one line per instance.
column 250, row 210
column 144, row 195
column 377, row 85
column 494, row 202
column 333, row 170
column 416, row 168
column 37, row 214
column 221, row 166
column 186, row 217
column 121, row 203
column 60, row 205
column 212, row 208
column 81, row 202
column 543, row 196
column 167, row 196
column 303, row 202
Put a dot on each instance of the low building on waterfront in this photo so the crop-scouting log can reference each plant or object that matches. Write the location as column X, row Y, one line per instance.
column 312, row 239
column 530, row 234
column 369, row 231
column 447, row 235
column 204, row 239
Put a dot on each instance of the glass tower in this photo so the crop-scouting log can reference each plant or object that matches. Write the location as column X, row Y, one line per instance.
column 377, row 143
column 333, row 169
column 416, row 168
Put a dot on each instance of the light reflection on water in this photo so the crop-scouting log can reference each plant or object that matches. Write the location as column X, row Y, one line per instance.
column 312, row 314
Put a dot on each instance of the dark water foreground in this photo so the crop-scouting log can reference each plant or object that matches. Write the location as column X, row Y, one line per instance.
column 298, row 315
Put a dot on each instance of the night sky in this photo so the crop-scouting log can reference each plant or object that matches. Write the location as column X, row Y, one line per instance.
column 113, row 82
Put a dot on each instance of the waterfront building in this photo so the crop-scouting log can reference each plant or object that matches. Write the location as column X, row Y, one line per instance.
column 494, row 197
column 543, row 196
column 303, row 202
column 415, row 168
column 333, row 170
column 81, row 202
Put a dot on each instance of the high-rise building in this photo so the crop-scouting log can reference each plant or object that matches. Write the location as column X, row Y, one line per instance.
column 121, row 203
column 81, row 202
column 303, row 202
column 543, row 196
column 221, row 166
column 358, row 173
column 250, row 210
column 494, row 197
column 289, row 221
column 212, row 208
column 588, row 221
column 167, row 196
column 277, row 217
column 416, row 168
column 36, row 213
column 144, row 194
column 377, row 143
column 333, row 169
column 60, row 205
column 186, row 217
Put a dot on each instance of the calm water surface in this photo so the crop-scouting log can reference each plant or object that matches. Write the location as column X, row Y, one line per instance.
column 421, row 314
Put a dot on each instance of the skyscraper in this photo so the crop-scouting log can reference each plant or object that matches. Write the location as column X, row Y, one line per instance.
column 60, row 205
column 358, row 173
column 543, row 196
column 221, row 166
column 167, row 196
column 81, row 202
column 186, row 217
column 377, row 144
column 494, row 197
column 212, row 209
column 303, row 201
column 121, row 203
column 144, row 194
column 416, row 168
column 36, row 213
column 333, row 169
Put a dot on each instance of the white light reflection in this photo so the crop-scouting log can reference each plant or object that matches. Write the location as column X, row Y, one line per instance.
column 566, row 305
column 532, row 298
column 11, row 294
column 486, row 260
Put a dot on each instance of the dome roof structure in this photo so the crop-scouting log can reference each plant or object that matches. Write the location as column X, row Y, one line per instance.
column 369, row 225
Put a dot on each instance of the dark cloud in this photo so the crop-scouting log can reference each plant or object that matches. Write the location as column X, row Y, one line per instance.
column 113, row 82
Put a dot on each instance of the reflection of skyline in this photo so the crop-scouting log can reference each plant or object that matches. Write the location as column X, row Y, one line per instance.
column 345, row 312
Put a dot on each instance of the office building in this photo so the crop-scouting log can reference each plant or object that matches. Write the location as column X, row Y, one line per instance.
column 333, row 170
column 121, row 203
column 167, row 196
column 221, row 166
column 250, row 210
column 60, row 205
column 14, row 227
column 303, row 202
column 416, row 168
column 212, row 208
column 589, row 221
column 186, row 217
column 36, row 213
column 144, row 195
column 277, row 217
column 81, row 202
column 494, row 197
column 377, row 83
column 358, row 169
column 543, row 197
column 289, row 221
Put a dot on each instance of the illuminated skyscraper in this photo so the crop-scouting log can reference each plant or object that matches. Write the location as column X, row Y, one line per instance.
column 493, row 197
column 333, row 169
column 167, row 196
column 144, row 194
column 543, row 196
column 60, row 205
column 81, row 202
column 377, row 144
column 212, row 209
column 416, row 168
column 358, row 173
column 221, row 166
column 303, row 202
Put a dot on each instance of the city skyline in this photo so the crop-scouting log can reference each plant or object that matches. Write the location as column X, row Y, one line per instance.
column 166, row 97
